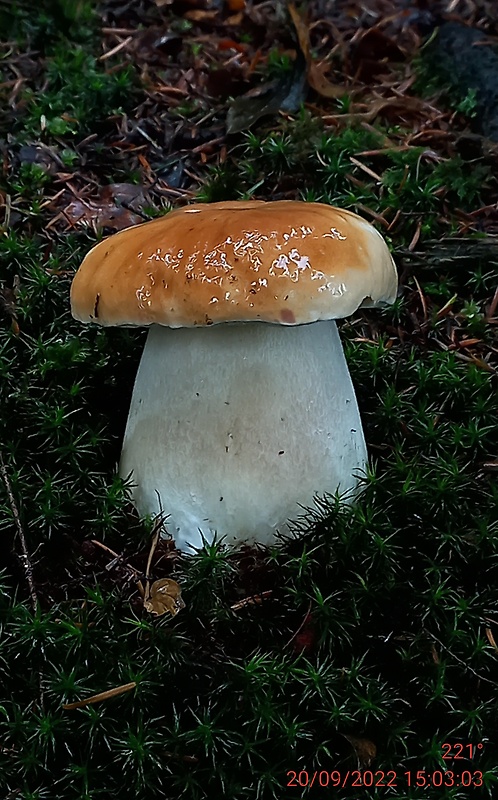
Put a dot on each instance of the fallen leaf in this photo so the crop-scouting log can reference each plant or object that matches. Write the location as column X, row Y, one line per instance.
column 491, row 639
column 316, row 78
column 231, row 44
column 284, row 94
column 201, row 15
column 365, row 750
column 114, row 207
column 165, row 596
column 8, row 303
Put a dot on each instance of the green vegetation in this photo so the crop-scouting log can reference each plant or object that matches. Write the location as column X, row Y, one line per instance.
column 378, row 622
column 52, row 20
column 76, row 91
column 320, row 165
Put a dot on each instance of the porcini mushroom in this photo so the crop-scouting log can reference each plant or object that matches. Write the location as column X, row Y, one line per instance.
column 243, row 410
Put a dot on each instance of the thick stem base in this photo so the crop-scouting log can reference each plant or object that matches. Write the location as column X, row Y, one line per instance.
column 233, row 427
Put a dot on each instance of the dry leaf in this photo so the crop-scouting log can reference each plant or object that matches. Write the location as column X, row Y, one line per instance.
column 114, row 207
column 364, row 749
column 316, row 79
column 491, row 639
column 283, row 94
column 165, row 595
column 8, row 303
column 201, row 15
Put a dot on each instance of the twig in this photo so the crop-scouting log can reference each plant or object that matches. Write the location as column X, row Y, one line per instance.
column 97, row 698
column 255, row 599
column 116, row 49
column 155, row 539
column 25, row 561
column 116, row 556
column 303, row 623
column 492, row 308
column 24, row 558
column 422, row 299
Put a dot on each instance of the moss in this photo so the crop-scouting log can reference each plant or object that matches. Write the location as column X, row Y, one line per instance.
column 370, row 626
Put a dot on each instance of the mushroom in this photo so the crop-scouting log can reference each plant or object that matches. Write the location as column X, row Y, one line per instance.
column 243, row 410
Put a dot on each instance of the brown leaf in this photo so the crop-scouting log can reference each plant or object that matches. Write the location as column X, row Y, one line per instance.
column 80, row 212
column 8, row 303
column 321, row 85
column 316, row 78
column 165, row 596
column 113, row 208
column 491, row 639
column 365, row 750
column 201, row 15
column 284, row 94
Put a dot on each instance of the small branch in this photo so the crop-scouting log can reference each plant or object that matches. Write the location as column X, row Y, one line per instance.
column 303, row 623
column 155, row 539
column 116, row 49
column 255, row 599
column 97, row 698
column 117, row 557
column 24, row 558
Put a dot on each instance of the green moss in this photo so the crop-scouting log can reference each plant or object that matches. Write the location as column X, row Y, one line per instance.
column 319, row 163
column 374, row 619
column 33, row 26
column 78, row 95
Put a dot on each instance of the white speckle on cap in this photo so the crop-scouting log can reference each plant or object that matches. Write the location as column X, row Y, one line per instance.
column 335, row 234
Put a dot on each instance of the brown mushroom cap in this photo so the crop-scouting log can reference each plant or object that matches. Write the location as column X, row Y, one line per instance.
column 285, row 262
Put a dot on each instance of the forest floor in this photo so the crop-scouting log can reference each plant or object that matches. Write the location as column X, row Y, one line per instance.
column 359, row 656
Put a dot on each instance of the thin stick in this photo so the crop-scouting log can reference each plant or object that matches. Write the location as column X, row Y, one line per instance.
column 96, row 698
column 151, row 553
column 116, row 49
column 116, row 555
column 303, row 623
column 255, row 599
column 24, row 558
column 153, row 546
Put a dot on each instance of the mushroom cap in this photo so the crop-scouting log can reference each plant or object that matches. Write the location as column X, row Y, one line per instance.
column 286, row 262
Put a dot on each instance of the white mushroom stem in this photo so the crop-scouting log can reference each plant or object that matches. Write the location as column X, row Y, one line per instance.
column 233, row 427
